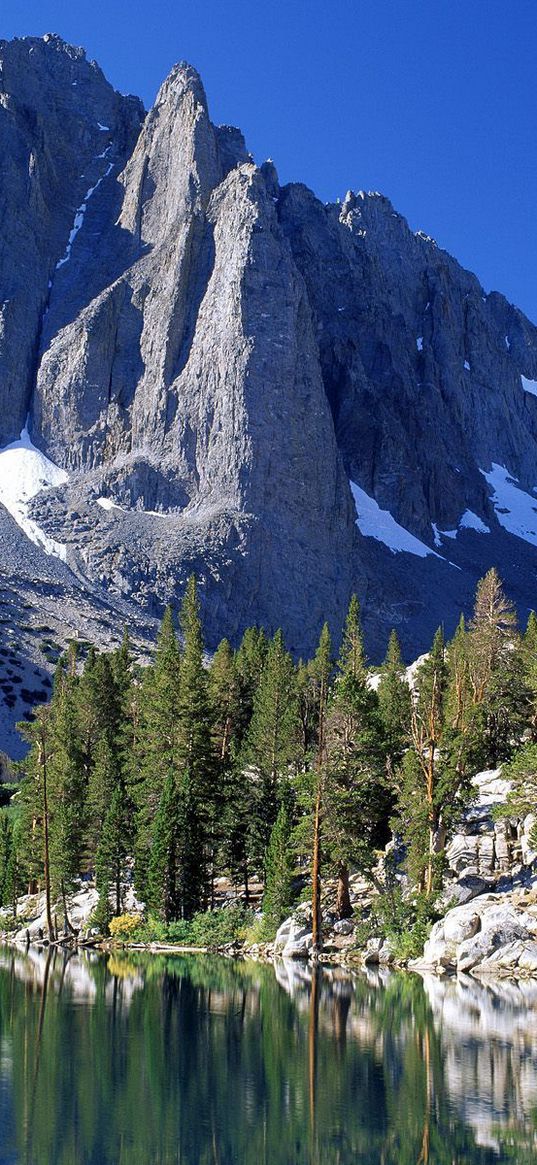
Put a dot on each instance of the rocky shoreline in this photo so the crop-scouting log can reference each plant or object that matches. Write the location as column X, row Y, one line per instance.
column 488, row 929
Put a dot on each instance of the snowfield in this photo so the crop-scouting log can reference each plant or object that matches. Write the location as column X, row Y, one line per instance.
column 376, row 523
column 516, row 510
column 24, row 472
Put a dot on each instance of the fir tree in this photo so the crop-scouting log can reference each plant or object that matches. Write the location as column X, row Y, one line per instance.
column 224, row 698
column 6, row 843
column 163, row 892
column 234, row 800
column 66, row 794
column 321, row 670
column 496, row 669
column 278, row 893
column 529, row 661
column 430, row 779
column 175, row 869
column 355, row 800
column 395, row 704
column 195, row 756
column 250, row 661
column 114, row 846
column 271, row 743
column 155, row 747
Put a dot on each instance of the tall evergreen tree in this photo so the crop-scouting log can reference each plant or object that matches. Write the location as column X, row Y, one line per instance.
column 233, row 801
column 271, row 743
column 6, row 844
column 250, row 661
column 395, row 704
column 355, row 801
column 321, row 671
column 66, row 794
column 278, row 893
column 529, row 662
column 195, row 756
column 155, row 748
column 432, row 773
column 497, row 672
column 113, row 848
column 163, row 891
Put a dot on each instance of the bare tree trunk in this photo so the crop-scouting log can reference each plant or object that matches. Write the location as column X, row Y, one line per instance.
column 46, row 855
column 343, row 899
column 316, row 937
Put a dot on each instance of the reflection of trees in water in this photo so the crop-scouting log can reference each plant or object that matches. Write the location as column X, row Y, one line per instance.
column 213, row 1063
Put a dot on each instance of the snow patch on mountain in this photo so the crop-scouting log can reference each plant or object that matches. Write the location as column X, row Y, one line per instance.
column 471, row 521
column 81, row 211
column 515, row 509
column 468, row 521
column 24, row 472
column 376, row 523
column 107, row 504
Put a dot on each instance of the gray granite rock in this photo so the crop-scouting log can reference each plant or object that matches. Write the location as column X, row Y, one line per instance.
column 214, row 357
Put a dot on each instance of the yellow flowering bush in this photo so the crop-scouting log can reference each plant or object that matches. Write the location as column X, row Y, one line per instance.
column 124, row 927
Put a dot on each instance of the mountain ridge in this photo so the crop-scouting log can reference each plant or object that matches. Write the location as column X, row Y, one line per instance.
column 240, row 381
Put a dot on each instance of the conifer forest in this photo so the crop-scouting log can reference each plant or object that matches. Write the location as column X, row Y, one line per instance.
column 160, row 780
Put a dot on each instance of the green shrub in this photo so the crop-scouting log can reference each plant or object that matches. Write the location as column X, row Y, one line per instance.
column 180, row 932
column 217, row 928
column 405, row 921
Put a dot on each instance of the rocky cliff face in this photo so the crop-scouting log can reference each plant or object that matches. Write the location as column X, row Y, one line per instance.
column 293, row 400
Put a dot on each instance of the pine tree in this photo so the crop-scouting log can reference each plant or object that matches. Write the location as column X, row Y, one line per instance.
column 66, row 794
column 6, row 843
column 321, row 671
column 34, row 804
column 115, row 843
column 271, row 743
column 250, row 661
column 14, row 874
column 103, row 781
column 163, row 892
column 435, row 772
column 529, row 661
column 355, row 800
column 395, row 704
column 492, row 631
column 497, row 671
column 521, row 801
column 155, row 746
column 174, row 880
column 278, row 893
column 195, row 757
column 232, row 784
column 224, row 698
column 423, row 766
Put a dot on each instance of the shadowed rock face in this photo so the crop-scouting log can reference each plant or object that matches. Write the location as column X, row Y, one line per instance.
column 216, row 357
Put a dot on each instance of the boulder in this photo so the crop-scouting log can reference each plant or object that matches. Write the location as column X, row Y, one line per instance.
column 461, row 926
column 344, row 926
column 464, row 889
column 293, row 939
column 372, row 951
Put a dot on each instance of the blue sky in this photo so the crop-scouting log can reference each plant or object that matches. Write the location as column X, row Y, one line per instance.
column 432, row 102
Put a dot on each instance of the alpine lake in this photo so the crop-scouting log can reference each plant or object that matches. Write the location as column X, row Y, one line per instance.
column 142, row 1059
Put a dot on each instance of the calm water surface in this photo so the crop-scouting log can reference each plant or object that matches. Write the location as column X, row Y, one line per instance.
column 146, row 1060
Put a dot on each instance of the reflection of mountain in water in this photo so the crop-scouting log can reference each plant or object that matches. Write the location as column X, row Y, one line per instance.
column 204, row 1061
